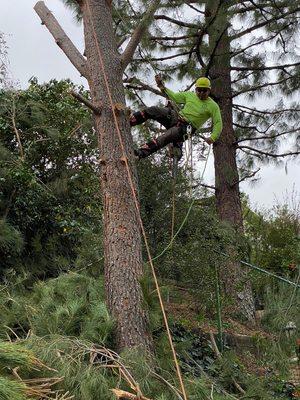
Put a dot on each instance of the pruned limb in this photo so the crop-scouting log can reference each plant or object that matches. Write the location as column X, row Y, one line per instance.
column 122, row 395
column 61, row 39
column 86, row 102
column 138, row 34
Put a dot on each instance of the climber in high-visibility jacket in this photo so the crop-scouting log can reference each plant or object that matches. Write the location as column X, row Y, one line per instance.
column 198, row 107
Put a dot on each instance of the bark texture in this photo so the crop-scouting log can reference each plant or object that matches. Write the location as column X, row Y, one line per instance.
column 122, row 237
column 228, row 202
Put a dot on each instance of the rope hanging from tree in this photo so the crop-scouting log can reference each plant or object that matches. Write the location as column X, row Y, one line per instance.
column 125, row 159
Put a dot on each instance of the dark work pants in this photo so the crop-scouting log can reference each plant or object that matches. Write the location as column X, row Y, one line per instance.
column 175, row 128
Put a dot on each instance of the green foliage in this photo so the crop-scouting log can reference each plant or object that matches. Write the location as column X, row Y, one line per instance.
column 11, row 390
column 281, row 307
column 75, row 8
column 194, row 252
column 15, row 355
column 70, row 305
column 49, row 184
column 11, row 241
column 274, row 238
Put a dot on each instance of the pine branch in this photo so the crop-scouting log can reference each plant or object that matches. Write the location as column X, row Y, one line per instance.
column 173, row 38
column 248, row 127
column 195, row 8
column 262, row 6
column 264, row 23
column 61, row 39
column 267, row 39
column 204, row 30
column 247, row 176
column 138, row 34
column 282, row 67
column 292, row 153
column 253, row 88
column 176, row 22
column 163, row 58
column 254, row 110
column 241, row 78
column 268, row 136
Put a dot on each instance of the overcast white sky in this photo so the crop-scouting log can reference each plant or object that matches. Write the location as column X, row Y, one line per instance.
column 33, row 52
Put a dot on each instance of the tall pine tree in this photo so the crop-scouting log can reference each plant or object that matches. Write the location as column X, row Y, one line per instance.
column 103, row 67
column 248, row 50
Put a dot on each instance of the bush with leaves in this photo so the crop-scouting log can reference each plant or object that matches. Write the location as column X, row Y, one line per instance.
column 49, row 180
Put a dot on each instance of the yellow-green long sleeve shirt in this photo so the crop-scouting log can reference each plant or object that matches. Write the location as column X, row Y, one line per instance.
column 197, row 112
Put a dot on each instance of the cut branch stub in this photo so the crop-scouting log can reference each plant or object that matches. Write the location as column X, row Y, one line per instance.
column 86, row 102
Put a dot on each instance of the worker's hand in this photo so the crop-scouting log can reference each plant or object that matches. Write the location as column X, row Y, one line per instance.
column 159, row 82
column 209, row 140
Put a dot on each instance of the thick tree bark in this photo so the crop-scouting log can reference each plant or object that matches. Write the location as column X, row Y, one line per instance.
column 228, row 202
column 122, row 237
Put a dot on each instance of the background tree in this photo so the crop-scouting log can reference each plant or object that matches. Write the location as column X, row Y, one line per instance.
column 247, row 49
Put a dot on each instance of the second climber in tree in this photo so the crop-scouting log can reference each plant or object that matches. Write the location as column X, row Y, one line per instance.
column 197, row 108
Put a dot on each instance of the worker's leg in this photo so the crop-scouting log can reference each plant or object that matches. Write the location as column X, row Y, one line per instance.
column 175, row 149
column 174, row 134
column 164, row 115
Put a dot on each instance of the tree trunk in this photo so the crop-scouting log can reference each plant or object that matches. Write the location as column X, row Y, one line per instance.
column 122, row 236
column 228, row 202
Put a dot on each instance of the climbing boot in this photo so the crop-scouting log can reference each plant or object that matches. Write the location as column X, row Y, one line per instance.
column 146, row 149
column 137, row 118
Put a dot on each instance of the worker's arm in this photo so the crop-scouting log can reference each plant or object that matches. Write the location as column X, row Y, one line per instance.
column 217, row 124
column 178, row 97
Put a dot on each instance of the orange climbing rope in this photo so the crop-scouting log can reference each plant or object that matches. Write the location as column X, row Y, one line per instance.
column 136, row 204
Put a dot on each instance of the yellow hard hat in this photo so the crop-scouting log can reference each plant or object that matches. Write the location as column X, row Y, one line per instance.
column 203, row 83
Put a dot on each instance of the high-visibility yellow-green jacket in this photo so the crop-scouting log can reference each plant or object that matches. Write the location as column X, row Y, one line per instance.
column 197, row 112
